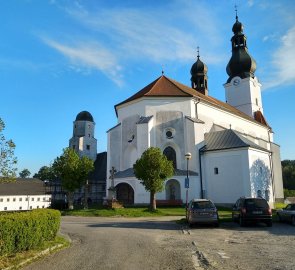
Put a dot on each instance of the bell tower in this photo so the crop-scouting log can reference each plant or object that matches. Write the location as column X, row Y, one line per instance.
column 242, row 88
column 199, row 77
column 83, row 141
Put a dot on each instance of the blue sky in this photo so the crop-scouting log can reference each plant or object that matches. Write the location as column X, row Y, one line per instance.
column 58, row 58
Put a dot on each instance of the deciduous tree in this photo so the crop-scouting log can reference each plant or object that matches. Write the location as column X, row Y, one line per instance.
column 7, row 159
column 24, row 173
column 73, row 171
column 152, row 169
column 45, row 173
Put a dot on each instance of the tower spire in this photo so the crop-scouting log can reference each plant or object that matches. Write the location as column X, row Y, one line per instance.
column 241, row 64
column 199, row 77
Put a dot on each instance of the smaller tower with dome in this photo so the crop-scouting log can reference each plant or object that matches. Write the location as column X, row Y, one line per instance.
column 199, row 77
column 83, row 140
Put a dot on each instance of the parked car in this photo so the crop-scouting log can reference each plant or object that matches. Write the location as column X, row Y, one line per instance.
column 252, row 210
column 287, row 213
column 202, row 211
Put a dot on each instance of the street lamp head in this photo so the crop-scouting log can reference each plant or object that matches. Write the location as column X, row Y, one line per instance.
column 188, row 155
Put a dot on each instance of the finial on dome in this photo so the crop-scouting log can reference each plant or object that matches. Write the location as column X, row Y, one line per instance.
column 236, row 9
column 198, row 50
column 162, row 70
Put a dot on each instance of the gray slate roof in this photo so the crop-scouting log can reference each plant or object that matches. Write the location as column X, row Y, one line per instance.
column 100, row 168
column 21, row 186
column 130, row 173
column 227, row 139
column 144, row 119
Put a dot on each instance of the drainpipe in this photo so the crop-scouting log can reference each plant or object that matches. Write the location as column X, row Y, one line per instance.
column 200, row 165
column 271, row 169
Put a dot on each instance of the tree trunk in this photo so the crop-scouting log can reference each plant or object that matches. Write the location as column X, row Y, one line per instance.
column 71, row 200
column 86, row 195
column 153, row 206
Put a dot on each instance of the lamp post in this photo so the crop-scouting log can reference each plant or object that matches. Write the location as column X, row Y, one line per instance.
column 188, row 156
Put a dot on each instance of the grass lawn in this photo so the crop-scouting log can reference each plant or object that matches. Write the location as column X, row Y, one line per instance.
column 19, row 259
column 125, row 212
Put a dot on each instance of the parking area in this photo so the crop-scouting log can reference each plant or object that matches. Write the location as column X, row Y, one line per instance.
column 233, row 247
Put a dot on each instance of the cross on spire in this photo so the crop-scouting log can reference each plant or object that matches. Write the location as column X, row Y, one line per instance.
column 162, row 70
column 198, row 50
column 236, row 9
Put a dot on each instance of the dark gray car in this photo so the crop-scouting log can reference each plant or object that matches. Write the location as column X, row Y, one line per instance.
column 202, row 211
column 287, row 213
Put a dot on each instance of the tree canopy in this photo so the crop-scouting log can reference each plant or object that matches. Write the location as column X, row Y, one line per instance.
column 152, row 169
column 72, row 170
column 45, row 173
column 24, row 173
column 288, row 170
column 7, row 159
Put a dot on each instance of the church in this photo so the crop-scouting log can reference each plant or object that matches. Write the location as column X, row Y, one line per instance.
column 225, row 149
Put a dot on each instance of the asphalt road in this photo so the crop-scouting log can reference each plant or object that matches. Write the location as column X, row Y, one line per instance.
column 160, row 243
column 120, row 243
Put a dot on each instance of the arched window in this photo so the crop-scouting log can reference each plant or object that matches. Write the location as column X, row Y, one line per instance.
column 170, row 153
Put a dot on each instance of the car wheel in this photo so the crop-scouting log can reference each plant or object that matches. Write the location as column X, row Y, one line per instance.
column 280, row 218
column 269, row 223
column 241, row 221
column 293, row 220
column 233, row 218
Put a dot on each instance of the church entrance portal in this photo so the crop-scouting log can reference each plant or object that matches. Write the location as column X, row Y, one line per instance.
column 125, row 194
column 172, row 190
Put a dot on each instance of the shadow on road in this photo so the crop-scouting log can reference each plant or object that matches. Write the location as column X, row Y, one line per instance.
column 149, row 225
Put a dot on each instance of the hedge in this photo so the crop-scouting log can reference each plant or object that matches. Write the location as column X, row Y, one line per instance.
column 21, row 231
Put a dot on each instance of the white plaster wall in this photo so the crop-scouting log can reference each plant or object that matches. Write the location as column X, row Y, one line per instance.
column 243, row 96
column 260, row 174
column 24, row 202
column 141, row 196
column 150, row 106
column 211, row 115
column 232, row 180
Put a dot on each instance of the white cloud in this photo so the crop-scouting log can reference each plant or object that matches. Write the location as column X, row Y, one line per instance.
column 156, row 34
column 85, row 56
column 283, row 62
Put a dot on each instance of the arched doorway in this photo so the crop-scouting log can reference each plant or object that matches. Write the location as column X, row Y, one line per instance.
column 170, row 153
column 125, row 193
column 172, row 190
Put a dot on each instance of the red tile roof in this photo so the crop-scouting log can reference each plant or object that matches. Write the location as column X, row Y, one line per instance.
column 166, row 87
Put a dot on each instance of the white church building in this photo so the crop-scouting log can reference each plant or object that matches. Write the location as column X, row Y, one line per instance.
column 231, row 143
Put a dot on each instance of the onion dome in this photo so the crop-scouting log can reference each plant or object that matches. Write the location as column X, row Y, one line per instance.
column 241, row 64
column 199, row 76
column 237, row 27
column 84, row 116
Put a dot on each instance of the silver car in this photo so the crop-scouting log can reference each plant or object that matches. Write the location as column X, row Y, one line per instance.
column 202, row 211
column 287, row 213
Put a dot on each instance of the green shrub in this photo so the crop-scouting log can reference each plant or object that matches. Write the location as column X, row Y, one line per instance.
column 26, row 230
column 289, row 193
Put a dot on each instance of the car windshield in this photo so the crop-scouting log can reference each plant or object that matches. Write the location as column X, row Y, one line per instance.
column 202, row 205
column 251, row 203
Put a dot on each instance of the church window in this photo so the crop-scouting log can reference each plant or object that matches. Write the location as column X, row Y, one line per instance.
column 20, row 208
column 169, row 134
column 215, row 170
column 170, row 153
column 256, row 100
column 75, row 126
column 88, row 147
column 260, row 168
column 20, row 199
column 1, row 200
column 32, row 199
column 88, row 126
column 5, row 208
column 8, row 199
column 14, row 199
column 89, row 135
